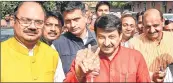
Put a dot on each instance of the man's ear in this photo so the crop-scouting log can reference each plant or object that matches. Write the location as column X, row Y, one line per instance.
column 163, row 22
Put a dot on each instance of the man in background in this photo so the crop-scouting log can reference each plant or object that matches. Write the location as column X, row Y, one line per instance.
column 52, row 27
column 78, row 35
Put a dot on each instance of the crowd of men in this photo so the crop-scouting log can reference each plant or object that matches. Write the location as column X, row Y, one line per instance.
column 72, row 46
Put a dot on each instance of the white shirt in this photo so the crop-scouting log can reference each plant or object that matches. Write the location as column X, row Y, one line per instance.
column 86, row 38
column 125, row 44
column 59, row 74
column 168, row 77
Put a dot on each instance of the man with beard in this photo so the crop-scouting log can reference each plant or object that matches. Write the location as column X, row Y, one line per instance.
column 128, row 29
column 78, row 35
column 110, row 62
column 23, row 57
column 154, row 44
column 52, row 27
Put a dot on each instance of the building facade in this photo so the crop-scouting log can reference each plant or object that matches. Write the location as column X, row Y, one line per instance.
column 164, row 6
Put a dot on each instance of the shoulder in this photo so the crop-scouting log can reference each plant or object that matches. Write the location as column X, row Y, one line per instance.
column 170, row 65
column 167, row 34
column 47, row 49
column 131, row 52
column 6, row 42
column 61, row 40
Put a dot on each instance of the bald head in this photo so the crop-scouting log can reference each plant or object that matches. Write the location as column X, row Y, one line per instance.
column 29, row 4
column 153, row 24
column 153, row 12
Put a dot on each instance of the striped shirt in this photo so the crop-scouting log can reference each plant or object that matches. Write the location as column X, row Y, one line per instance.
column 157, row 56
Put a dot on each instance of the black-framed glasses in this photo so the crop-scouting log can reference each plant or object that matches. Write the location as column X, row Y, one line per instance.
column 27, row 22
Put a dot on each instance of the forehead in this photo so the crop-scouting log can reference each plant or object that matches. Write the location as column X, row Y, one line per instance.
column 52, row 19
column 103, row 6
column 152, row 19
column 31, row 10
column 69, row 15
column 128, row 20
column 140, row 18
column 106, row 33
column 86, row 7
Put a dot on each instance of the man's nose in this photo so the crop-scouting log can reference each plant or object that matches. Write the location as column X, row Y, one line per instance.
column 107, row 42
column 32, row 25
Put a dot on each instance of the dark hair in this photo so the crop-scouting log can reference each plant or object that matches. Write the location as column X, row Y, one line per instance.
column 71, row 5
column 22, row 2
column 102, row 3
column 56, row 15
column 127, row 15
column 108, row 22
column 167, row 22
column 139, row 14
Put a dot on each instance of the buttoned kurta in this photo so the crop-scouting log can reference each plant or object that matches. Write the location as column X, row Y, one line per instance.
column 126, row 66
column 18, row 66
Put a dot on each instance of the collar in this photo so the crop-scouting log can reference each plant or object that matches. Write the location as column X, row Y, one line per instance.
column 17, row 46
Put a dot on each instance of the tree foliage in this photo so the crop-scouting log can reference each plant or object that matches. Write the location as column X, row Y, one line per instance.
column 7, row 7
column 118, row 4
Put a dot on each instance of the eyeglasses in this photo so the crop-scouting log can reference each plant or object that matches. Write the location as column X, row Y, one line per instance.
column 50, row 25
column 27, row 22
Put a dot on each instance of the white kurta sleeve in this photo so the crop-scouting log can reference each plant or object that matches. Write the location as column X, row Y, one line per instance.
column 168, row 77
column 59, row 74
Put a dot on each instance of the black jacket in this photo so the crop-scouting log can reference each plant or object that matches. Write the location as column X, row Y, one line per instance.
column 67, row 46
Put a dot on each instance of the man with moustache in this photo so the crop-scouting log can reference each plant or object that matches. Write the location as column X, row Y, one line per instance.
column 52, row 27
column 155, row 44
column 23, row 57
column 110, row 62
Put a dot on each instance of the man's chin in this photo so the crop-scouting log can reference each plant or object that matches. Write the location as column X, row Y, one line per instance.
column 31, row 39
column 52, row 38
column 107, row 52
column 75, row 32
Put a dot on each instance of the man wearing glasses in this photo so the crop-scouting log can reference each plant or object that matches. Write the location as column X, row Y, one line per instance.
column 23, row 57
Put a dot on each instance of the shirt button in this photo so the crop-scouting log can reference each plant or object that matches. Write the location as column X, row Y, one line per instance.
column 35, row 78
column 33, row 61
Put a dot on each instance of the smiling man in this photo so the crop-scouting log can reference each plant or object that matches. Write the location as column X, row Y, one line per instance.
column 23, row 57
column 128, row 29
column 111, row 62
column 155, row 44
